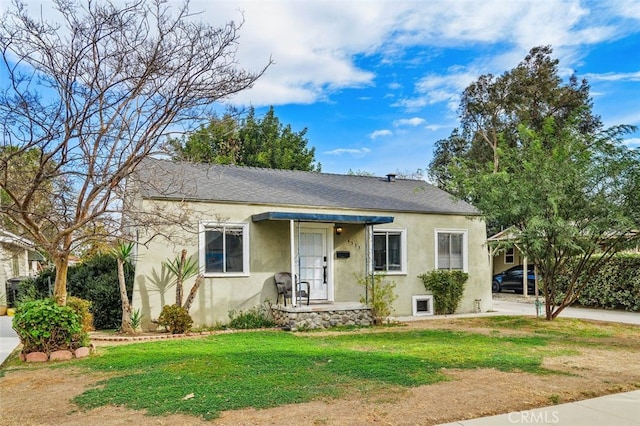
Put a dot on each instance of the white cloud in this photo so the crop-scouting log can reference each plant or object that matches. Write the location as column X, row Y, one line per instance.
column 632, row 142
column 349, row 151
column 315, row 43
column 629, row 117
column 610, row 76
column 414, row 121
column 629, row 9
column 410, row 105
column 433, row 88
column 436, row 127
column 379, row 133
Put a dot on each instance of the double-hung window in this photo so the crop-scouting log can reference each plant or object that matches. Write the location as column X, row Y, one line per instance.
column 509, row 256
column 224, row 248
column 389, row 250
column 451, row 249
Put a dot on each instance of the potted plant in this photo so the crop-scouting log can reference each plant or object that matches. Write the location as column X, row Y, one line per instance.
column 3, row 304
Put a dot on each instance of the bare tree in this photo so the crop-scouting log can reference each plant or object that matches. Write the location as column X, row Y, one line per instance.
column 93, row 92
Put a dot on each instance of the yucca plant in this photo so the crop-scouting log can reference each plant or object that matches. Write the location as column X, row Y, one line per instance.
column 183, row 268
column 123, row 252
column 136, row 319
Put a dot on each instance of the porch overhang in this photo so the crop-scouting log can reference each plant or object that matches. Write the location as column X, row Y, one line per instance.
column 323, row 217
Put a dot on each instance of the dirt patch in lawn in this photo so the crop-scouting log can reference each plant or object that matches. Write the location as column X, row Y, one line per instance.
column 39, row 395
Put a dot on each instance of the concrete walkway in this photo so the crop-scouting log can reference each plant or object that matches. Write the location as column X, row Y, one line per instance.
column 8, row 338
column 621, row 409
column 525, row 306
column 521, row 305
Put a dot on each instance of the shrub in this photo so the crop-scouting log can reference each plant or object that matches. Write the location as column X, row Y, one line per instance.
column 81, row 307
column 28, row 291
column 43, row 326
column 96, row 280
column 379, row 295
column 256, row 317
column 447, row 288
column 616, row 285
column 175, row 319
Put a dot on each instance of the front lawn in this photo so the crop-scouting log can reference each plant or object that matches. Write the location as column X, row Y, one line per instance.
column 205, row 376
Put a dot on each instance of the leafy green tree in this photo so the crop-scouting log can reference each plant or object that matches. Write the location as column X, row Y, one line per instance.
column 446, row 151
column 217, row 142
column 531, row 156
column 493, row 108
column 250, row 141
column 568, row 197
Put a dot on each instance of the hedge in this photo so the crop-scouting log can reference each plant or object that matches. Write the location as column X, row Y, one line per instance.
column 615, row 286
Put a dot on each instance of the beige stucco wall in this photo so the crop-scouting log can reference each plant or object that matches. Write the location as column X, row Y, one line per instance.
column 421, row 253
column 270, row 253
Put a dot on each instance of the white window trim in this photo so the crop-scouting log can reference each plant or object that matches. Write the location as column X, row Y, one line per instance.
column 204, row 226
column 418, row 298
column 403, row 250
column 465, row 245
column 513, row 255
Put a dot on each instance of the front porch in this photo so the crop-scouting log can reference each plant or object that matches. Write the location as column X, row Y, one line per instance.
column 322, row 315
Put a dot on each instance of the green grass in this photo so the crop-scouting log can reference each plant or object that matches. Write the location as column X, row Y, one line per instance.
column 267, row 369
column 273, row 368
column 560, row 327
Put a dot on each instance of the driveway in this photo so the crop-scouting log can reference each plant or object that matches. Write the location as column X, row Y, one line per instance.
column 8, row 338
column 508, row 304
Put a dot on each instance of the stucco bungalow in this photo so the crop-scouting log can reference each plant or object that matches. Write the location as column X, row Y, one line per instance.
column 245, row 224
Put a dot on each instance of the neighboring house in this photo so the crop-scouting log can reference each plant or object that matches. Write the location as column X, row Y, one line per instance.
column 245, row 224
column 505, row 258
column 18, row 260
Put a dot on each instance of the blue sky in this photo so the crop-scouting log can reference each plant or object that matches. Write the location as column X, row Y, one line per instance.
column 377, row 82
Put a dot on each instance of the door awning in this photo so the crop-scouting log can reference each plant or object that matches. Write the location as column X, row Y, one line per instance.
column 322, row 217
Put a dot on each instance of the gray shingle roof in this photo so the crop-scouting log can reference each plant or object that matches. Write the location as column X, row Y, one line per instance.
column 164, row 179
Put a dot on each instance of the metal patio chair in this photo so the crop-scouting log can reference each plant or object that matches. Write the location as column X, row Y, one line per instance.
column 284, row 286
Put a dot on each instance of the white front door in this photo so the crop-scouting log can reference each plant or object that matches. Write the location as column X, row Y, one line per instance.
column 314, row 267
